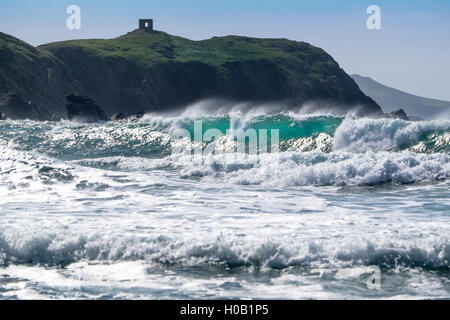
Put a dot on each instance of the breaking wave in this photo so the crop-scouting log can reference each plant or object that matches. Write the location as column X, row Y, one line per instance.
column 318, row 150
column 152, row 137
column 231, row 252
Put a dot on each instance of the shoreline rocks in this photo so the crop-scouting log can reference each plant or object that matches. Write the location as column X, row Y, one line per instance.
column 84, row 109
column 131, row 117
column 399, row 114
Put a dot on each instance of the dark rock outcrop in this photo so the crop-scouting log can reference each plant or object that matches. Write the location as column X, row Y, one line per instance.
column 80, row 108
column 123, row 117
column 118, row 116
column 399, row 114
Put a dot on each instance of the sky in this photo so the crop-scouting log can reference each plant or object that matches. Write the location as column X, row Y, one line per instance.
column 411, row 51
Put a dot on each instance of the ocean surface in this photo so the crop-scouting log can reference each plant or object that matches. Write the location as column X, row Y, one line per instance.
column 110, row 211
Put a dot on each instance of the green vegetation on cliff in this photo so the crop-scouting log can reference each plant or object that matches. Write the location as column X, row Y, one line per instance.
column 14, row 45
column 148, row 49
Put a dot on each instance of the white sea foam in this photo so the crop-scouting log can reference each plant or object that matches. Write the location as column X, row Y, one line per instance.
column 225, row 249
column 300, row 168
column 360, row 135
column 23, row 179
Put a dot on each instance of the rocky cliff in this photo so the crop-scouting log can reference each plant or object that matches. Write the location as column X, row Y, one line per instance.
column 156, row 71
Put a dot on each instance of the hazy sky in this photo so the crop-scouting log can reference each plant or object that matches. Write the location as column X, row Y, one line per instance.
column 411, row 52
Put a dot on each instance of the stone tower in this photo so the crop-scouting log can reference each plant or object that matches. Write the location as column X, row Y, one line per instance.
column 146, row 24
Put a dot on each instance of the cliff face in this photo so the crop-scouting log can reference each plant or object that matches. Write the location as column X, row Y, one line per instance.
column 33, row 83
column 156, row 71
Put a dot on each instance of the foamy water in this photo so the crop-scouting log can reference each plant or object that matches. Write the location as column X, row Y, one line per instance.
column 107, row 211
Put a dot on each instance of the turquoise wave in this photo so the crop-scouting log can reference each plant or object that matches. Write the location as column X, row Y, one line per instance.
column 151, row 138
column 288, row 127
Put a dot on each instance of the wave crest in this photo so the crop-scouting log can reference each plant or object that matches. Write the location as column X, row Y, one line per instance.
column 234, row 252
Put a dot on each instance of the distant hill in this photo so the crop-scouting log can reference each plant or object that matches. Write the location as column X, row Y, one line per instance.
column 392, row 99
column 156, row 71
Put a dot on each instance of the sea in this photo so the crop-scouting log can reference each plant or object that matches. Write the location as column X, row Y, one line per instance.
column 340, row 207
